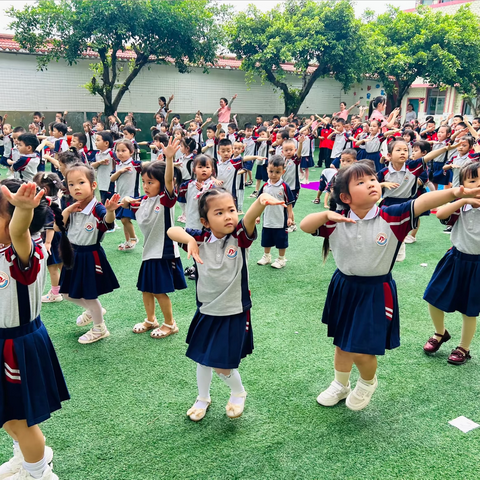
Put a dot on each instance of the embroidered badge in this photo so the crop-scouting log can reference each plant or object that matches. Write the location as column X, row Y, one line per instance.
column 4, row 280
column 89, row 227
column 156, row 209
column 381, row 239
column 231, row 252
column 280, row 194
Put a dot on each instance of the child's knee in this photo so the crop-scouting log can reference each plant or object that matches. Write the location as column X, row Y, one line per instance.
column 222, row 371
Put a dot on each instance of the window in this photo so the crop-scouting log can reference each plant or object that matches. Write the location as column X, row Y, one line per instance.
column 436, row 101
column 467, row 109
column 426, row 2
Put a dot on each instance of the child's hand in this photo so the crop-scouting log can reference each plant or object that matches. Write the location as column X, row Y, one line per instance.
column 455, row 166
column 219, row 183
column 390, row 185
column 257, row 220
column 301, row 138
column 193, row 251
column 337, row 218
column 48, row 247
column 462, row 192
column 113, row 203
column 209, row 119
column 171, row 149
column 266, row 199
column 26, row 197
column 474, row 202
column 126, row 169
column 289, row 222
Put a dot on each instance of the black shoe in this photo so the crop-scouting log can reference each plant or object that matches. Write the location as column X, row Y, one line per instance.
column 448, row 229
column 189, row 270
column 192, row 276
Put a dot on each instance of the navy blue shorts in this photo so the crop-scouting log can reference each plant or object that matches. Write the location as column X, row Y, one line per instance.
column 261, row 173
column 248, row 165
column 274, row 237
column 104, row 196
column 440, row 176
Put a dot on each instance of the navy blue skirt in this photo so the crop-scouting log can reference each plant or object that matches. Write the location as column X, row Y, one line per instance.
column 220, row 342
column 362, row 313
column 91, row 275
column 454, row 284
column 361, row 153
column 124, row 212
column 54, row 257
column 161, row 275
column 375, row 157
column 307, row 162
column 41, row 387
column 439, row 176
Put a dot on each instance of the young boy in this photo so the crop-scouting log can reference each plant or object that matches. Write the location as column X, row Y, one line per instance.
column 276, row 218
column 25, row 167
column 61, row 145
column 339, row 138
column 104, row 163
column 325, row 144
column 291, row 177
column 38, row 122
column 79, row 141
column 249, row 141
column 7, row 144
column 228, row 167
column 208, row 147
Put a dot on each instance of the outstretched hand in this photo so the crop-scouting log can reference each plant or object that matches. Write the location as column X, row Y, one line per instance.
column 172, row 147
column 26, row 197
column 462, row 192
column 113, row 203
column 193, row 251
column 337, row 218
column 267, row 199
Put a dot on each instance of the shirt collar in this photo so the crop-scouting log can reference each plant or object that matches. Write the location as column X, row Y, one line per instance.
column 88, row 209
column 468, row 207
column 108, row 150
column 371, row 214
column 392, row 170
column 212, row 238
column 275, row 184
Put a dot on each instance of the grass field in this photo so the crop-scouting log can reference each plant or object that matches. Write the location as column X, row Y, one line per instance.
column 130, row 393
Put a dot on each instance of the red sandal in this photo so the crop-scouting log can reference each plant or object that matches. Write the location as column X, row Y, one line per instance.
column 433, row 344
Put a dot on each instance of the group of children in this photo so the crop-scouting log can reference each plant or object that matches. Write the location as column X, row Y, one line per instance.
column 54, row 220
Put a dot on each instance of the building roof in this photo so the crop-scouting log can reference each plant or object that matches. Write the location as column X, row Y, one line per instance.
column 9, row 45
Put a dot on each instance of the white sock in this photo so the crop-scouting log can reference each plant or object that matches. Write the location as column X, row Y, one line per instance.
column 204, row 379
column 369, row 382
column 94, row 308
column 281, row 258
column 183, row 207
column 35, row 469
column 241, row 195
column 234, row 381
column 342, row 377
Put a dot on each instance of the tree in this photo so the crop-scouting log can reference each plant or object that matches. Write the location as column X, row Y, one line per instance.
column 427, row 44
column 185, row 32
column 320, row 39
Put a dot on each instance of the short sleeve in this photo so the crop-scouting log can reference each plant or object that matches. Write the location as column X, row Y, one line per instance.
column 381, row 175
column 182, row 192
column 244, row 240
column 200, row 237
column 168, row 200
column 21, row 164
column 99, row 212
column 401, row 218
column 416, row 167
column 289, row 197
column 25, row 275
column 325, row 230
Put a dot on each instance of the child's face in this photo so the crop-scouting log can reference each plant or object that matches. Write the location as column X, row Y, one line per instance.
column 101, row 143
column 128, row 135
column 87, row 126
column 225, row 152
column 275, row 173
column 417, row 153
column 291, row 133
column 456, row 121
column 158, row 119
column 37, row 119
column 472, row 182
column 259, row 120
column 210, row 133
column 158, row 144
column 374, row 127
column 176, row 120
column 94, row 121
column 399, row 152
column 123, row 153
column 58, row 117
column 475, row 124
column 222, row 135
column 198, row 119
column 222, row 215
column 111, row 119
column 248, row 132
column 192, row 127
column 346, row 160
column 100, row 127
column 151, row 186
column 57, row 134
column 24, row 149
column 463, row 147
column 79, row 186
column 406, row 138
column 263, row 135
column 364, row 192
column 230, row 130
column 339, row 127
column 178, row 135
column 238, row 149
column 7, row 129
column 163, row 129
column 203, row 172
column 76, row 143
column 15, row 137
column 288, row 150
column 442, row 134
column 283, row 121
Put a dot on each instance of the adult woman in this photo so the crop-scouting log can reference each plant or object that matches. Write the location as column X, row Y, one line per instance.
column 411, row 115
column 376, row 111
column 344, row 111
column 224, row 112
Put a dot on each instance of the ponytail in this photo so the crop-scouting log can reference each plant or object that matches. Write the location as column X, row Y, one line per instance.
column 66, row 250
column 374, row 104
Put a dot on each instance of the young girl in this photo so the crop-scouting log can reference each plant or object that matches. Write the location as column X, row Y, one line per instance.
column 161, row 271
column 87, row 221
column 51, row 184
column 220, row 334
column 33, row 385
column 126, row 178
column 187, row 147
column 364, row 240
column 454, row 284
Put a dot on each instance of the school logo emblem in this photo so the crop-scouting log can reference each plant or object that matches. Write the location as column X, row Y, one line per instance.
column 231, row 252
column 89, row 227
column 156, row 209
column 280, row 194
column 381, row 239
column 4, row 280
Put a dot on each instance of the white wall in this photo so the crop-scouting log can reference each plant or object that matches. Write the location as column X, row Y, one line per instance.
column 59, row 88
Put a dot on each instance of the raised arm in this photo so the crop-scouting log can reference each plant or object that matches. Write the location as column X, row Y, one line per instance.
column 256, row 209
column 353, row 106
column 436, row 153
column 169, row 153
column 438, row 198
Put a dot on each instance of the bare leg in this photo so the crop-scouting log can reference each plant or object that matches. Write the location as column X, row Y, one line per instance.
column 281, row 252
column 267, row 250
column 30, row 439
column 414, row 232
column 325, row 200
column 343, row 361
column 149, row 303
column 166, row 307
column 367, row 365
column 54, row 272
column 128, row 228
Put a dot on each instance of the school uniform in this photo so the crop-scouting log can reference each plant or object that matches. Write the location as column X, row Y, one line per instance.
column 240, row 185
column 227, row 172
column 220, row 334
column 232, row 137
column 7, row 150
column 91, row 275
column 436, row 173
column 25, row 167
column 461, row 161
column 261, row 150
column 184, row 163
column 60, row 145
column 361, row 309
column 197, row 136
column 210, row 143
column 292, row 176
column 250, row 144
column 339, row 143
column 54, row 255
column 188, row 194
column 104, row 172
column 406, row 177
column 161, row 270
column 274, row 231
column 326, row 179
column 325, row 146
column 454, row 283
column 361, row 152
column 307, row 152
column 372, row 150
column 127, row 185
column 33, row 385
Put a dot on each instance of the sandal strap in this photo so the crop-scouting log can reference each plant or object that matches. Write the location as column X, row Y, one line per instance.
column 201, row 399
column 440, row 334
column 171, row 327
column 240, row 395
column 462, row 350
column 150, row 323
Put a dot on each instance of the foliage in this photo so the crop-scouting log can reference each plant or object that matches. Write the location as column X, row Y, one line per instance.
column 318, row 38
column 185, row 32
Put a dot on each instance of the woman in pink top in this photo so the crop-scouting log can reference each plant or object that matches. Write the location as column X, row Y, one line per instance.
column 376, row 111
column 224, row 112
column 344, row 111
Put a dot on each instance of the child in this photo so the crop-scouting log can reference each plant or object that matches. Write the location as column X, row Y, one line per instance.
column 276, row 218
column 38, row 119
column 91, row 276
column 220, row 334
column 187, row 147
column 60, row 130
column 208, row 147
column 228, row 167
column 326, row 144
column 51, row 183
column 306, row 154
column 161, row 271
column 291, row 177
column 104, row 163
column 79, row 143
column 25, row 167
column 364, row 240
column 454, row 284
column 262, row 145
column 339, row 138
column 126, row 178
column 7, row 145
column 249, row 142
column 129, row 133
column 33, row 385
column 463, row 146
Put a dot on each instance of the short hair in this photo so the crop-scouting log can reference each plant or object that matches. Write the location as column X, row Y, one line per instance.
column 262, row 129
column 128, row 143
column 477, row 119
column 38, row 114
column 461, row 124
column 176, row 116
column 423, row 145
column 82, row 138
column 411, row 134
column 468, row 138
column 248, row 125
column 260, row 116
column 212, row 127
column 29, row 140
column 432, row 121
column 448, row 127
column 276, row 161
column 106, row 137
column 284, row 134
column 225, row 142
column 469, row 170
column 341, row 121
column 350, row 151
column 275, row 117
column 18, row 130
column 232, row 125
column 161, row 137
column 458, row 116
column 289, row 141
column 130, row 130
column 60, row 127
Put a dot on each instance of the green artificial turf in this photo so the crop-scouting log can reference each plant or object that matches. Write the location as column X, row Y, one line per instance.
column 130, row 393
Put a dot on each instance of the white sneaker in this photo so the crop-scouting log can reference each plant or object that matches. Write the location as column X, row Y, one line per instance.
column 51, row 298
column 410, row 239
column 361, row 395
column 24, row 475
column 85, row 318
column 279, row 263
column 14, row 465
column 265, row 260
column 253, row 195
column 292, row 228
column 333, row 394
column 401, row 255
